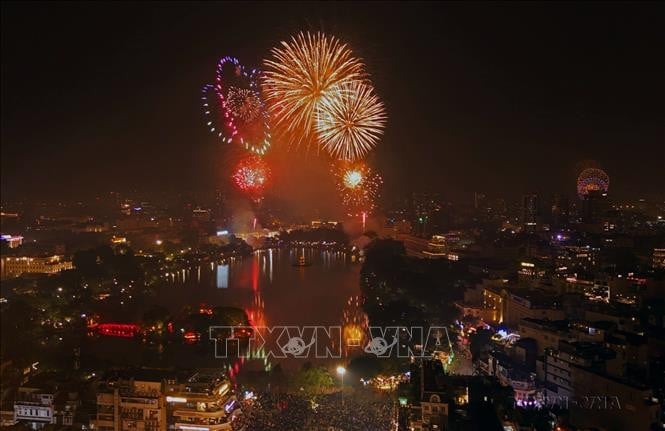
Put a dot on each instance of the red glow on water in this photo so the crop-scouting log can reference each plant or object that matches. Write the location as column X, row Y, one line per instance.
column 255, row 275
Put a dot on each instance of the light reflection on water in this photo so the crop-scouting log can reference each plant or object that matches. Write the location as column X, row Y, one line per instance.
column 293, row 295
column 270, row 288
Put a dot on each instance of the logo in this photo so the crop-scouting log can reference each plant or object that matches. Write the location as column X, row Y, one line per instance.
column 323, row 342
column 296, row 346
column 379, row 346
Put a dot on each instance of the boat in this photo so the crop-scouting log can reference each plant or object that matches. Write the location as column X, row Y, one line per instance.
column 302, row 262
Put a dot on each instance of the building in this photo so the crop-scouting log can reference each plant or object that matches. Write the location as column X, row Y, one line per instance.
column 12, row 241
column 201, row 215
column 594, row 206
column 511, row 372
column 447, row 402
column 36, row 406
column 560, row 214
column 611, row 403
column 133, row 401
column 533, row 304
column 658, row 259
column 530, row 212
column 493, row 301
column 155, row 400
column 558, row 367
column 202, row 402
column 546, row 333
column 15, row 266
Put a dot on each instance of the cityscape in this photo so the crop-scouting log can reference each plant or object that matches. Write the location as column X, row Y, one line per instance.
column 333, row 216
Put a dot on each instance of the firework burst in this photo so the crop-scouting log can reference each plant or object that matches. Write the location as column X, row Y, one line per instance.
column 592, row 180
column 244, row 103
column 359, row 188
column 350, row 121
column 233, row 107
column 300, row 76
column 252, row 175
column 354, row 324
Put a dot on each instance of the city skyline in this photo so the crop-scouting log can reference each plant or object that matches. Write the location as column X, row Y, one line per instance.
column 351, row 216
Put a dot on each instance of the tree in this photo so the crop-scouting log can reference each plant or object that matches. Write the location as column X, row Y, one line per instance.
column 313, row 380
column 230, row 316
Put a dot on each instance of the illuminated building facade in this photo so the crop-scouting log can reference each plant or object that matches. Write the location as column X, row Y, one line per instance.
column 12, row 241
column 156, row 401
column 493, row 301
column 203, row 403
column 132, row 403
column 658, row 258
column 16, row 266
column 36, row 408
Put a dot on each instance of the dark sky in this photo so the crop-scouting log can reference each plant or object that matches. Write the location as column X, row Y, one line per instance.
column 503, row 98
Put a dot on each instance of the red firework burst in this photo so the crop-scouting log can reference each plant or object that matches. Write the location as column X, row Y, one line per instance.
column 252, row 175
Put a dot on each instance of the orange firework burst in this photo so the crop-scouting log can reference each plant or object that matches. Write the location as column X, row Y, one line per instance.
column 300, row 76
column 350, row 121
column 359, row 188
column 354, row 324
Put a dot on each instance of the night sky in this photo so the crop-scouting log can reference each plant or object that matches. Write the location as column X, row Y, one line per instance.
column 500, row 98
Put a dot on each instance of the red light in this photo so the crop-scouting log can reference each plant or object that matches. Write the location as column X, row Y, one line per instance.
column 125, row 330
column 205, row 310
column 191, row 337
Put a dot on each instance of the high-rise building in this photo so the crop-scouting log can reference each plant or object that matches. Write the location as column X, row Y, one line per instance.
column 530, row 212
column 594, row 206
column 560, row 215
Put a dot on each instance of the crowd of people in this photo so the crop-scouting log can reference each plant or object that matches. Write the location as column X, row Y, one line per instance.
column 336, row 411
column 351, row 413
column 272, row 412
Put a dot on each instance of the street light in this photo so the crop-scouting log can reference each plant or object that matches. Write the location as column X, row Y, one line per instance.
column 341, row 371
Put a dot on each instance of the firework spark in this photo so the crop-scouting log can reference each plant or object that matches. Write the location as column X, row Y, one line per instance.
column 300, row 76
column 352, row 178
column 354, row 324
column 350, row 122
column 244, row 103
column 252, row 175
column 359, row 188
